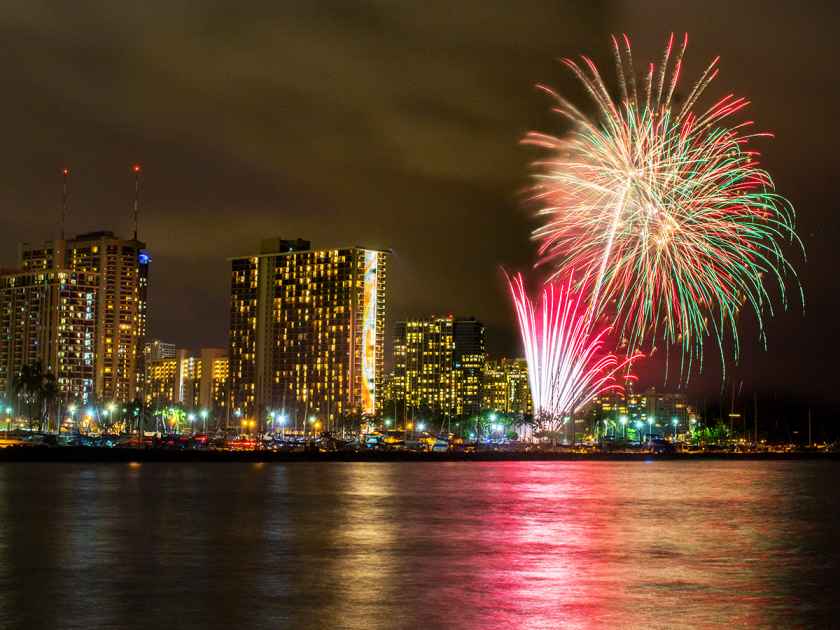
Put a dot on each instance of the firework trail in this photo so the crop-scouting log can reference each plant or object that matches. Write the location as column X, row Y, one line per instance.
column 664, row 208
column 567, row 365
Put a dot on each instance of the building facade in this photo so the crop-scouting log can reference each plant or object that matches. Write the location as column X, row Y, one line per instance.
column 213, row 381
column 505, row 387
column 668, row 408
column 155, row 350
column 658, row 412
column 49, row 317
column 438, row 368
column 468, row 365
column 307, row 331
column 195, row 382
column 422, row 379
column 122, row 269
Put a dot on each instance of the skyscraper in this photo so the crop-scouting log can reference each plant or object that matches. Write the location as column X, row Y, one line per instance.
column 122, row 268
column 469, row 360
column 49, row 317
column 438, row 367
column 307, row 331
column 505, row 386
column 213, row 394
column 422, row 380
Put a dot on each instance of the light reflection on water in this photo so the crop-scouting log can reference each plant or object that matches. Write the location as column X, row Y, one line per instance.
column 468, row 545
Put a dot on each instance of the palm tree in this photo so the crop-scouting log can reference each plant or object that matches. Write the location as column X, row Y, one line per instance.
column 47, row 395
column 38, row 391
column 26, row 388
column 134, row 417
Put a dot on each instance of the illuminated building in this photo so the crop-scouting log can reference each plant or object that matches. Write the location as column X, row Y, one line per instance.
column 194, row 382
column 307, row 331
column 213, row 391
column 154, row 350
column 655, row 410
column 468, row 365
column 505, row 386
column 438, row 366
column 162, row 380
column 422, row 380
column 49, row 316
column 123, row 269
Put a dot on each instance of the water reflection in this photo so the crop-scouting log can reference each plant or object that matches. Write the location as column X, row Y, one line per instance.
column 532, row 545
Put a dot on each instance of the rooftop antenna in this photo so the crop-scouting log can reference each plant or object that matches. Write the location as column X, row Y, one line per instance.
column 65, row 196
column 136, row 169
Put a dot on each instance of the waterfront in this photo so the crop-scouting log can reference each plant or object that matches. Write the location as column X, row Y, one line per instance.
column 379, row 545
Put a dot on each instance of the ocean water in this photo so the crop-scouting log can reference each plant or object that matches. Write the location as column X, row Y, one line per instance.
column 420, row 545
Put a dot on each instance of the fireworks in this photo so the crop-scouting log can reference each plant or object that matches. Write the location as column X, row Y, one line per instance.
column 663, row 209
column 566, row 362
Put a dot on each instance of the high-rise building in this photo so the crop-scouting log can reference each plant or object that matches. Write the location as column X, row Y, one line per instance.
column 438, row 367
column 162, row 383
column 213, row 390
column 155, row 350
column 122, row 268
column 422, row 380
column 307, row 331
column 195, row 382
column 469, row 357
column 49, row 317
column 505, row 387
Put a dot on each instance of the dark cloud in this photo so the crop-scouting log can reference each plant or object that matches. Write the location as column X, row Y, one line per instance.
column 392, row 124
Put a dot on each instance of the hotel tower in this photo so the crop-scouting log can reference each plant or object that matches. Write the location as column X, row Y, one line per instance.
column 121, row 269
column 306, row 332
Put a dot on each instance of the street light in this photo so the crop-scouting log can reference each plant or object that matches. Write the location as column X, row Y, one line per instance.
column 204, row 414
column 623, row 421
column 71, row 409
column 650, row 427
column 675, row 422
column 639, row 425
column 388, row 422
column 421, row 426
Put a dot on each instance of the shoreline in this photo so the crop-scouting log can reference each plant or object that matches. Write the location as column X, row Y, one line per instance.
column 129, row 455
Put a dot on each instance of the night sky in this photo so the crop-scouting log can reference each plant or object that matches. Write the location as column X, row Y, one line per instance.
column 387, row 124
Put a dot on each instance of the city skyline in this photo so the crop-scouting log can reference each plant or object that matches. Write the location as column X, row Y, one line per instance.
column 400, row 314
column 208, row 193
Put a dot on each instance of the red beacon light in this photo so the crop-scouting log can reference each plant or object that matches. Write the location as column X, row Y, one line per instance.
column 136, row 168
